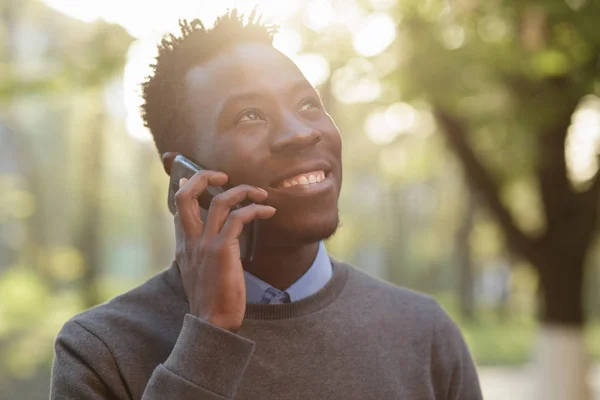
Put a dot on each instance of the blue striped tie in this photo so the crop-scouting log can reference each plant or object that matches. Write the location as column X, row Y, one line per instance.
column 275, row 296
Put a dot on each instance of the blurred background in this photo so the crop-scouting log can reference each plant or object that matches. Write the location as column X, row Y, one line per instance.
column 471, row 137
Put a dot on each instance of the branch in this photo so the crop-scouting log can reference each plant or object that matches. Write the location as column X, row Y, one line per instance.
column 480, row 181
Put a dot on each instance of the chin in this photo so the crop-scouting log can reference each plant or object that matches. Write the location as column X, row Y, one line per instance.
column 302, row 229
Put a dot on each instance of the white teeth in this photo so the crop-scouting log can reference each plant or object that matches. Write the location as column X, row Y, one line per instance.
column 305, row 179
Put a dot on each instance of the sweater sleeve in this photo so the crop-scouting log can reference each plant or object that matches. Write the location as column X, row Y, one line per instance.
column 206, row 363
column 83, row 367
column 454, row 376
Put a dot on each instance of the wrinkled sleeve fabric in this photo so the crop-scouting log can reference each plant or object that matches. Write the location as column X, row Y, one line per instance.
column 206, row 363
column 453, row 371
column 83, row 367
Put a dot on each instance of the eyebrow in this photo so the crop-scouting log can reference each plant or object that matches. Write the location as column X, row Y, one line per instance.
column 290, row 90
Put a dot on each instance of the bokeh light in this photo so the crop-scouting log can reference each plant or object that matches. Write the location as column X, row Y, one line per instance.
column 139, row 57
column 384, row 125
column 318, row 14
column 314, row 67
column 356, row 82
column 378, row 129
column 401, row 117
column 382, row 4
column 161, row 18
column 288, row 41
column 453, row 36
column 375, row 64
column 583, row 141
column 377, row 32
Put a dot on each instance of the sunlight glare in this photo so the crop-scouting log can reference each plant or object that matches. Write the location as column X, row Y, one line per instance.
column 356, row 82
column 401, row 117
column 318, row 15
column 375, row 35
column 382, row 4
column 288, row 41
column 84, row 11
column 143, row 19
column 383, row 126
column 350, row 14
column 583, row 141
column 158, row 18
column 272, row 10
column 139, row 57
column 378, row 129
column 314, row 67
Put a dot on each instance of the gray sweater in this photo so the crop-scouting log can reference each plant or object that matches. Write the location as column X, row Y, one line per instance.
column 357, row 338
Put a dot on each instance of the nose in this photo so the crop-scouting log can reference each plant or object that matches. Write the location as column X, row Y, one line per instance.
column 296, row 137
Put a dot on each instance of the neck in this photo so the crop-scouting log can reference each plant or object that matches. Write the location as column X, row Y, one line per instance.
column 281, row 266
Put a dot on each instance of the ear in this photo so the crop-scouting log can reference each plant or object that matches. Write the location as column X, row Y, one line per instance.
column 167, row 160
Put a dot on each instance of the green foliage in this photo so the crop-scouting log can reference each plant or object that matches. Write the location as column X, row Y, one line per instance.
column 27, row 302
column 71, row 54
column 494, row 63
column 497, row 339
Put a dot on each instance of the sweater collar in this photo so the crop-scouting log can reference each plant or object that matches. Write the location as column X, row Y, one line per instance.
column 319, row 300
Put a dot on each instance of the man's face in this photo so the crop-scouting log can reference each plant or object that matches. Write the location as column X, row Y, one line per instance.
column 261, row 122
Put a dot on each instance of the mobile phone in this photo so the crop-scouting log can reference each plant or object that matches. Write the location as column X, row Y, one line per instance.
column 185, row 168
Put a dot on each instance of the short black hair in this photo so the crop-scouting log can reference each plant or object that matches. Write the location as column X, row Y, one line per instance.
column 164, row 109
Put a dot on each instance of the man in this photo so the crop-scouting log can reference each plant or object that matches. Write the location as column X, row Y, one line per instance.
column 293, row 324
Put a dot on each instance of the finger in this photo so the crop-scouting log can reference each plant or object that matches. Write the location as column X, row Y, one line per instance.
column 186, row 199
column 179, row 234
column 237, row 219
column 221, row 205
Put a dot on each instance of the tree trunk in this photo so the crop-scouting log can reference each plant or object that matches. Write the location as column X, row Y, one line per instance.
column 464, row 259
column 30, row 253
column 89, row 241
column 558, row 254
column 560, row 356
column 562, row 290
column 561, row 363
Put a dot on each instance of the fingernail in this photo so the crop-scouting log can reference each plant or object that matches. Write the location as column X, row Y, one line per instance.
column 182, row 181
column 262, row 190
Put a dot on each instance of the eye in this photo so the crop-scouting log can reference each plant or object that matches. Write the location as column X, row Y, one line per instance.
column 309, row 104
column 251, row 115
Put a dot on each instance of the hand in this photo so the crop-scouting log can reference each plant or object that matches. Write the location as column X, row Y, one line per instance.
column 208, row 255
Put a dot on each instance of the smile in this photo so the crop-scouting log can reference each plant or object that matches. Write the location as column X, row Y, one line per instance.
column 309, row 178
column 303, row 185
